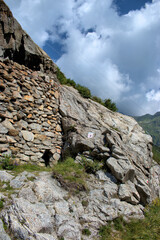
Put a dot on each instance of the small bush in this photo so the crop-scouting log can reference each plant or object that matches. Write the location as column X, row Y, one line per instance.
column 86, row 232
column 110, row 105
column 61, row 77
column 85, row 203
column 7, row 162
column 98, row 100
column 1, row 203
column 91, row 166
column 84, row 91
column 71, row 82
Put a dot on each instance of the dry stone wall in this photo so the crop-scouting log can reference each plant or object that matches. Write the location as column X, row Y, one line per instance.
column 29, row 119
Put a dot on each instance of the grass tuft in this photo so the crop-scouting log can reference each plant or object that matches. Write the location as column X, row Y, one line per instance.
column 71, row 175
column 86, row 232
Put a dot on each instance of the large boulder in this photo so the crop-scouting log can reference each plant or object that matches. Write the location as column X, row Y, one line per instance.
column 114, row 138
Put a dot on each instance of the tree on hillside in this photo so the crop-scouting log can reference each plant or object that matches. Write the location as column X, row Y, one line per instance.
column 111, row 105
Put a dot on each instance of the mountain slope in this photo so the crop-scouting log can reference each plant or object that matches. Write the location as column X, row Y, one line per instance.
column 151, row 124
column 41, row 121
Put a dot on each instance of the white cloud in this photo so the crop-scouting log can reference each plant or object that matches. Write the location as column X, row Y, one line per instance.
column 115, row 56
column 153, row 95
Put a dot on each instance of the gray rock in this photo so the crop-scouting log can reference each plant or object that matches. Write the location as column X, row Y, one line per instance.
column 105, row 176
column 18, row 182
column 103, row 149
column 110, row 190
column 7, row 124
column 28, row 136
column 3, row 234
column 121, row 169
column 128, row 193
column 46, row 190
column 28, row 194
column 22, row 124
column 16, row 94
column 3, row 129
column 23, row 157
column 56, row 157
column 5, row 176
column 35, row 126
column 28, row 219
column 70, row 230
column 44, row 236
column 61, row 207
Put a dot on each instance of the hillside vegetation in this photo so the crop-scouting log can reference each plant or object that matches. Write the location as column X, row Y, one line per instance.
column 151, row 124
column 85, row 92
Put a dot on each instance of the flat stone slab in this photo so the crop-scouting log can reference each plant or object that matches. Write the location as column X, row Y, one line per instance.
column 28, row 136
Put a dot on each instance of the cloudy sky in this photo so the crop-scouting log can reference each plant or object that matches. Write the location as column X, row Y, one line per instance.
column 110, row 46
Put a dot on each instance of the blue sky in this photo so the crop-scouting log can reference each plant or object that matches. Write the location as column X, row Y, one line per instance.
column 124, row 6
column 110, row 46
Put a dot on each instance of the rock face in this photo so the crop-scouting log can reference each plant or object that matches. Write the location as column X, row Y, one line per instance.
column 18, row 46
column 98, row 133
column 29, row 118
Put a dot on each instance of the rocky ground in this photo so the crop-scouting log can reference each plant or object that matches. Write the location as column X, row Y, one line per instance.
column 37, row 207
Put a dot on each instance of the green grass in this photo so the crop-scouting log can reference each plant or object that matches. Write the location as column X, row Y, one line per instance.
column 146, row 229
column 31, row 168
column 70, row 172
column 27, row 167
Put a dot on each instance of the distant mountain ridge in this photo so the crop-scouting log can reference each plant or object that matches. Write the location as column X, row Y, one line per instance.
column 151, row 124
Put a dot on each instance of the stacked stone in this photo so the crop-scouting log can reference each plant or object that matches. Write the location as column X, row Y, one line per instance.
column 29, row 119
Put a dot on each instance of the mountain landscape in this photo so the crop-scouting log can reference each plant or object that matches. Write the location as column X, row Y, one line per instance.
column 70, row 168
column 151, row 124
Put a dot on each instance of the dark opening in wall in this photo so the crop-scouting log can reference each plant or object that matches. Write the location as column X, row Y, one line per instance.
column 2, row 88
column 46, row 156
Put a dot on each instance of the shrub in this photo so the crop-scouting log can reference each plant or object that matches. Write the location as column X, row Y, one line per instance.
column 86, row 232
column 71, row 82
column 91, row 166
column 84, row 91
column 98, row 100
column 1, row 203
column 85, row 203
column 61, row 77
column 110, row 105
column 7, row 162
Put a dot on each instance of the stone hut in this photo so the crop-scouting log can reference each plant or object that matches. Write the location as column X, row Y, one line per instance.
column 29, row 119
